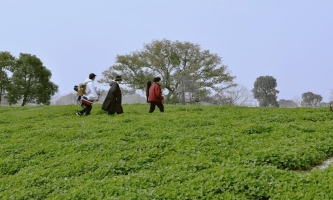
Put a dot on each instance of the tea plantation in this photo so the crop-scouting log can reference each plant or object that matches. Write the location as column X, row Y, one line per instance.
column 189, row 152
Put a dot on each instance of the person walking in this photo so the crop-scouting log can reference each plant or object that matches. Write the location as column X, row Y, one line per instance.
column 112, row 102
column 89, row 97
column 155, row 96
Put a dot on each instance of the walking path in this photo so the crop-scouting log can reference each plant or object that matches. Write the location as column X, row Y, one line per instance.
column 325, row 164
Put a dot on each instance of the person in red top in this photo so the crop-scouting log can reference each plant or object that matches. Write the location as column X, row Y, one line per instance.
column 155, row 97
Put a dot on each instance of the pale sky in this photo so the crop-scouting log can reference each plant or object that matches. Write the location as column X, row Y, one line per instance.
column 290, row 40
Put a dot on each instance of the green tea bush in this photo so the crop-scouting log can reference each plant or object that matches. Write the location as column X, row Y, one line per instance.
column 189, row 152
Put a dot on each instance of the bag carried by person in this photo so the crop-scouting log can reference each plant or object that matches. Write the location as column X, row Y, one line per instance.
column 80, row 89
column 86, row 101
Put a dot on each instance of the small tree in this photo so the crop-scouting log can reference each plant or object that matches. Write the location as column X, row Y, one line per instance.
column 237, row 95
column 297, row 100
column 310, row 99
column 264, row 91
column 31, row 82
column 283, row 103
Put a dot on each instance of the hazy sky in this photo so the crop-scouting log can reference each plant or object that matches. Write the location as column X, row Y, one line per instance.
column 291, row 40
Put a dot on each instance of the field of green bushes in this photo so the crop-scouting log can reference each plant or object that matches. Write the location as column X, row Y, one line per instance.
column 189, row 152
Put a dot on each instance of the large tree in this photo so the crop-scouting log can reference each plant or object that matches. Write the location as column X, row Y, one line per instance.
column 31, row 82
column 7, row 62
column 184, row 68
column 264, row 91
column 309, row 99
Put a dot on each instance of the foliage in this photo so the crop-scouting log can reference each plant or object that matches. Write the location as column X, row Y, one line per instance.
column 31, row 82
column 7, row 62
column 183, row 66
column 283, row 103
column 264, row 91
column 310, row 99
column 192, row 152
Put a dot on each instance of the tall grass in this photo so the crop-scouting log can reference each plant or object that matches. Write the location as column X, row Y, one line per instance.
column 192, row 152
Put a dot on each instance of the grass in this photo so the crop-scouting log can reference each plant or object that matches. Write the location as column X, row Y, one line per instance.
column 192, row 152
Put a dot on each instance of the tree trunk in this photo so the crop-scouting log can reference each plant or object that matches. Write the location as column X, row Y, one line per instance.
column 24, row 101
column 182, row 98
column 1, row 94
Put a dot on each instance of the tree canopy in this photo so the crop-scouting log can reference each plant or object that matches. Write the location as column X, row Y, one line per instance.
column 7, row 62
column 264, row 91
column 29, row 80
column 309, row 99
column 184, row 68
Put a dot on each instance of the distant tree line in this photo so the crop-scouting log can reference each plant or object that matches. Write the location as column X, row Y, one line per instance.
column 25, row 79
column 189, row 74
column 264, row 91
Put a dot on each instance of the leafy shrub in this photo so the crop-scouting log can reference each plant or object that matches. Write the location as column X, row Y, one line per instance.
column 192, row 152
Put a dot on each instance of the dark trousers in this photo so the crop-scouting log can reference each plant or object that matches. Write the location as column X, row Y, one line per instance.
column 86, row 109
column 154, row 104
